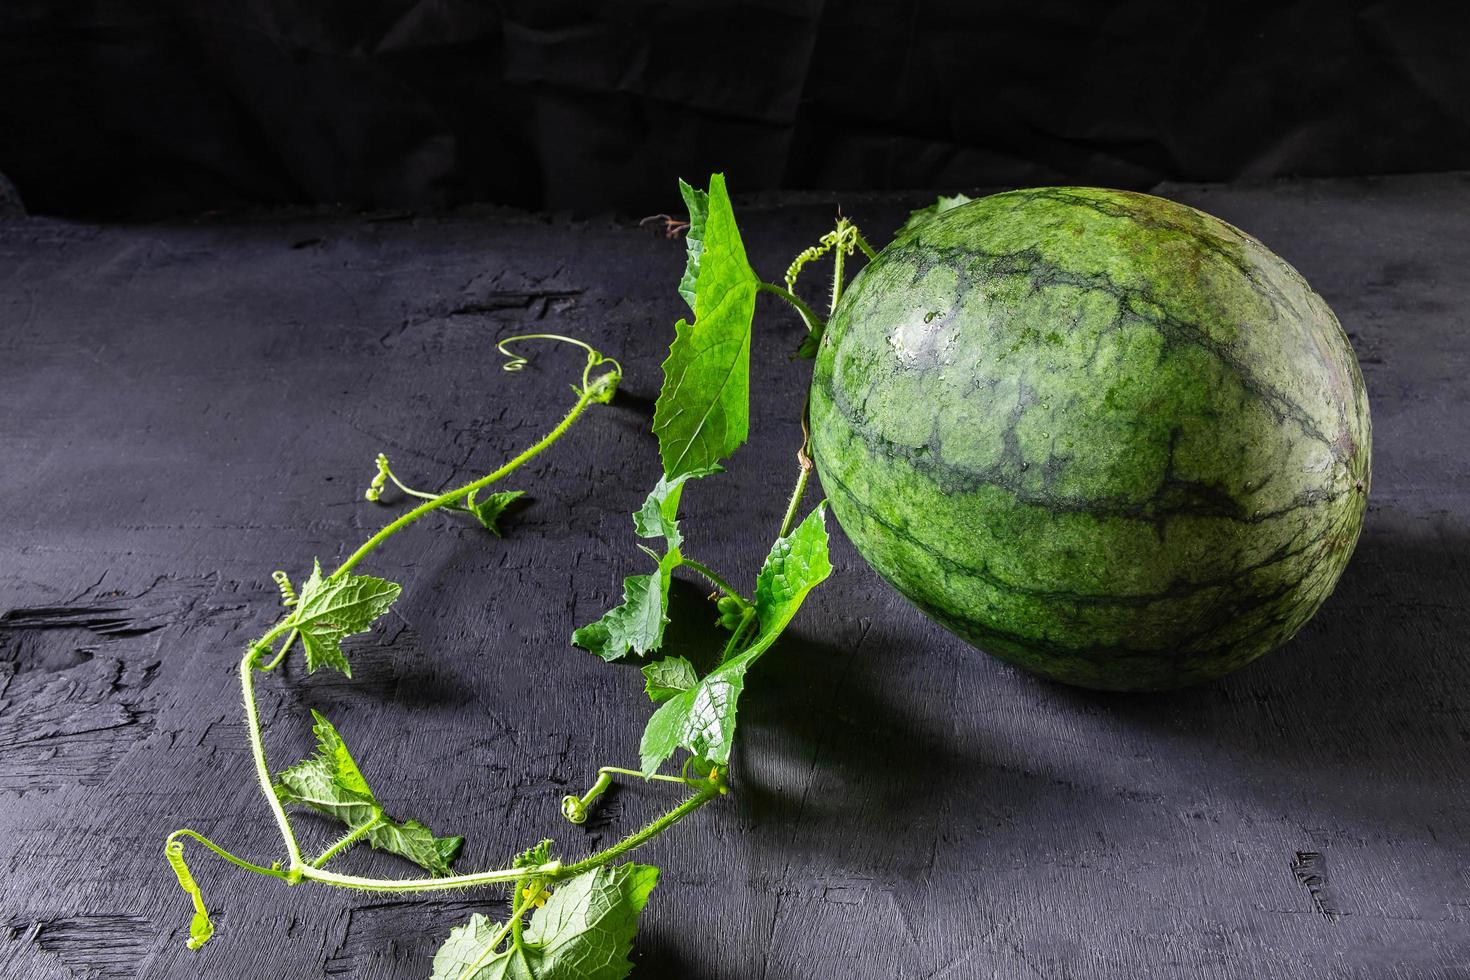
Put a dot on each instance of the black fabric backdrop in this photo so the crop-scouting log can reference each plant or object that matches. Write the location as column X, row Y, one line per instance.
column 128, row 107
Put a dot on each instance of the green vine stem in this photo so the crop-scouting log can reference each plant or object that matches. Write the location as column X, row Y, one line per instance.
column 804, row 473
column 714, row 786
column 257, row 743
column 347, row 840
column 498, row 876
column 598, row 389
column 746, row 618
column 551, row 871
column 813, row 322
column 839, row 257
column 511, row 925
column 574, row 808
column 715, row 580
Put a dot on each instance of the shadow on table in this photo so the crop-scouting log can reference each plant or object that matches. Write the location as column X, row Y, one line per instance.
column 1377, row 675
column 1368, row 695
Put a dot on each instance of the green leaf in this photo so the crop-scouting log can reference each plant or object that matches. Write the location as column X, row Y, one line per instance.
column 488, row 511
column 665, row 678
column 416, row 842
column 703, row 409
column 330, row 610
column 331, row 783
column 797, row 564
column 584, row 932
column 917, row 218
column 638, row 622
column 697, row 201
column 468, row 954
column 659, row 514
column 702, row 718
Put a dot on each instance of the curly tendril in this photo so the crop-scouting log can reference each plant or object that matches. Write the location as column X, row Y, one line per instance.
column 283, row 582
column 844, row 239
column 575, row 808
column 201, row 928
column 602, row 387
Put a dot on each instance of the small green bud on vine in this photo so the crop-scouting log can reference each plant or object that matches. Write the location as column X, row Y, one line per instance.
column 375, row 489
column 731, row 611
column 602, row 388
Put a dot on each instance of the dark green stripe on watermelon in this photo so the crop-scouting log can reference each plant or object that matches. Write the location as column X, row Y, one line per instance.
column 1101, row 435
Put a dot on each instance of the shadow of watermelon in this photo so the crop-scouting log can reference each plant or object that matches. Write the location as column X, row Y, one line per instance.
column 894, row 768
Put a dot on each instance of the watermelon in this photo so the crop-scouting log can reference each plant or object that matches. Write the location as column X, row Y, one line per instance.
column 1098, row 434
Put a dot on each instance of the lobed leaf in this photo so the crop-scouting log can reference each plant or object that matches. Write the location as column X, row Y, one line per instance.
column 331, row 609
column 638, row 622
column 330, row 782
column 668, row 677
column 797, row 564
column 659, row 515
column 702, row 718
column 697, row 201
column 584, row 932
column 703, row 409
column 488, row 510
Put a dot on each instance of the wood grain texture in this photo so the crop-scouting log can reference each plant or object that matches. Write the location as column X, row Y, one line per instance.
column 188, row 407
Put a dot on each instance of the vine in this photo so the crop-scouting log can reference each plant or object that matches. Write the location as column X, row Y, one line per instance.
column 565, row 914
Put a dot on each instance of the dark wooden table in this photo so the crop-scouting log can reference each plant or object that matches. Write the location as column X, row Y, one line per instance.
column 188, row 406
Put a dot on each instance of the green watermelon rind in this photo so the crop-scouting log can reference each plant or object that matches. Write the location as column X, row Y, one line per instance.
column 1103, row 436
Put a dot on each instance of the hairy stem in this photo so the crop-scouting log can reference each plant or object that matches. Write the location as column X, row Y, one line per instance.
column 517, row 913
column 257, row 743
column 522, row 892
column 839, row 255
column 803, row 464
column 498, row 876
column 715, row 580
column 238, row 862
column 746, row 618
column 350, row 838
column 804, row 472
column 713, row 788
column 808, row 315
column 552, row 871
column 280, row 654
column 589, row 393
